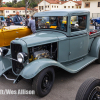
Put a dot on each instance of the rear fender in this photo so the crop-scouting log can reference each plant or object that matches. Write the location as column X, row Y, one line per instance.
column 94, row 50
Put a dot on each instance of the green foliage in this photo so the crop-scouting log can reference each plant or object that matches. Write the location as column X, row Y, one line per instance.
column 5, row 17
column 9, row 4
column 33, row 3
column 14, row 1
column 19, row 4
column 4, row 5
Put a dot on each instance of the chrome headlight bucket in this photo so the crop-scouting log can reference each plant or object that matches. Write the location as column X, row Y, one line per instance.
column 3, row 51
column 22, row 57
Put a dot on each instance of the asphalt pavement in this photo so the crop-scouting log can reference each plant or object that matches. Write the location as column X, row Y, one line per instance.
column 65, row 86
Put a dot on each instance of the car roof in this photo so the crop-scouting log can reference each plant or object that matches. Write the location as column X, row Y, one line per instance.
column 1, row 16
column 62, row 12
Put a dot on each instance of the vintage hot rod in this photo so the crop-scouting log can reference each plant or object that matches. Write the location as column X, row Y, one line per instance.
column 62, row 42
column 9, row 33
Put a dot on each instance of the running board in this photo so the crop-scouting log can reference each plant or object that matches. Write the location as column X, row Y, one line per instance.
column 76, row 67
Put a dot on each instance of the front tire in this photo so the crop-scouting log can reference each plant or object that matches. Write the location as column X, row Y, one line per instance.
column 43, row 82
column 89, row 90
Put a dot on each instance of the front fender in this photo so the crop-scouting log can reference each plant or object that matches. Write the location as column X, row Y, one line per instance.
column 32, row 69
column 94, row 50
column 5, row 63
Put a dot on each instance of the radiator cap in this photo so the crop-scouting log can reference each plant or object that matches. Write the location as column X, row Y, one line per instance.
column 17, row 39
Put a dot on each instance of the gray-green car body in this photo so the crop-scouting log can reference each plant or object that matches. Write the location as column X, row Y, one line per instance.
column 74, row 50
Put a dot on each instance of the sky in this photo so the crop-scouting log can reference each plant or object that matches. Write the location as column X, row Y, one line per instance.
column 9, row 0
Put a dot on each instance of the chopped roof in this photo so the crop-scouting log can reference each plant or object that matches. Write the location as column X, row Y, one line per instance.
column 62, row 12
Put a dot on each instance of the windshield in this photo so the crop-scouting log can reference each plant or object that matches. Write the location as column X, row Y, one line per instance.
column 53, row 22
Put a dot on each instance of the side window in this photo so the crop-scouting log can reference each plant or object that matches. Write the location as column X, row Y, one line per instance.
column 78, row 23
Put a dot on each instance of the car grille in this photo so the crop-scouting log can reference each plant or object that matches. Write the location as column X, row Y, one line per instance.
column 15, row 49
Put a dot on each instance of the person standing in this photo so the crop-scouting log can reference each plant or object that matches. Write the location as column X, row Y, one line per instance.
column 17, row 19
column 8, row 21
column 32, row 24
column 27, row 20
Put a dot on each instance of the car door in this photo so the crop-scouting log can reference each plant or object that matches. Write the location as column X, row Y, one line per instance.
column 79, row 37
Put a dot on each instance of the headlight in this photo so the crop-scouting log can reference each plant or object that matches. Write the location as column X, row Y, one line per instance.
column 3, row 51
column 22, row 57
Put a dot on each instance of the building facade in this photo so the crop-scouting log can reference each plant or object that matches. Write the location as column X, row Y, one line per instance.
column 46, row 5
column 93, row 6
column 5, row 11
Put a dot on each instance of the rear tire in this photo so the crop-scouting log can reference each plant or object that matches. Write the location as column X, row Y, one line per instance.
column 89, row 90
column 43, row 82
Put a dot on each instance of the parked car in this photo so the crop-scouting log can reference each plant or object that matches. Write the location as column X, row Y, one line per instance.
column 89, row 90
column 67, row 46
column 7, row 34
column 2, row 20
column 95, row 21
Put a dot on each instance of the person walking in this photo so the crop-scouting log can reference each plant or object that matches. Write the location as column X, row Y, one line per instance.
column 27, row 20
column 8, row 21
column 32, row 24
column 17, row 19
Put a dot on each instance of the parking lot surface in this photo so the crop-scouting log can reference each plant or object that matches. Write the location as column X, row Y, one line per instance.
column 65, row 86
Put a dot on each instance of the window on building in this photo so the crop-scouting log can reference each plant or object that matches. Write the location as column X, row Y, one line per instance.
column 87, row 4
column 78, row 23
column 45, row 6
column 68, row 6
column 27, row 11
column 80, row 7
column 48, row 6
column 57, row 6
column 7, row 11
column 42, row 7
column 13, row 11
column 72, row 6
column 39, row 7
column 98, row 4
column 76, row 7
column 52, row 6
column 64, row 6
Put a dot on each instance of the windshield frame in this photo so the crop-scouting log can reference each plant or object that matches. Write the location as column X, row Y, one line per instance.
column 66, row 25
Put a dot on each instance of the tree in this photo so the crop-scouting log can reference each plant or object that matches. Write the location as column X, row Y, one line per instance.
column 4, row 5
column 19, row 4
column 9, row 4
column 14, row 1
column 0, row 2
column 29, row 4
